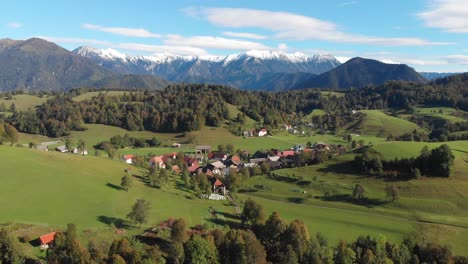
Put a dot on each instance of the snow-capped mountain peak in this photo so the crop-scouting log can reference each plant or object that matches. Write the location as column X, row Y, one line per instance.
column 109, row 54
column 252, row 69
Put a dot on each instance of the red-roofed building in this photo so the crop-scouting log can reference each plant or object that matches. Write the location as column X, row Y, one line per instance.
column 287, row 153
column 158, row 161
column 219, row 187
column 236, row 160
column 47, row 239
column 128, row 158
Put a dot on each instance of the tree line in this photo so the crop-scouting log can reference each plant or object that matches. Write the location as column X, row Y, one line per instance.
column 437, row 162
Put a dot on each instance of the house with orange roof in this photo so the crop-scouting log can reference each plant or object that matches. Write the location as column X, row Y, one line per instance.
column 46, row 240
column 219, row 187
column 158, row 161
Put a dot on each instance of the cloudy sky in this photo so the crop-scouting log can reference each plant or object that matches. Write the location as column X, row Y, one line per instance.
column 429, row 35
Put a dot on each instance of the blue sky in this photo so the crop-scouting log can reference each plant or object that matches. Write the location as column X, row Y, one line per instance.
column 429, row 35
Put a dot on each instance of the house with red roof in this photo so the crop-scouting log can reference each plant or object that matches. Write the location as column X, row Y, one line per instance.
column 219, row 187
column 128, row 158
column 158, row 161
column 47, row 239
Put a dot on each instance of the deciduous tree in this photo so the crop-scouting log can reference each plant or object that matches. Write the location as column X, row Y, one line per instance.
column 140, row 212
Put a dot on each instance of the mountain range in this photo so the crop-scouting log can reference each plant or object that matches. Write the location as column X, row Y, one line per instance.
column 252, row 70
column 36, row 64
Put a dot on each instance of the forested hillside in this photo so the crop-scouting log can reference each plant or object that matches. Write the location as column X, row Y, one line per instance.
column 188, row 107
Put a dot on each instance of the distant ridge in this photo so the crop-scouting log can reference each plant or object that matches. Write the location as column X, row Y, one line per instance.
column 359, row 72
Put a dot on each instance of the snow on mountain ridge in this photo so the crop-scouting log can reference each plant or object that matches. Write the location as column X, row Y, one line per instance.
column 296, row 57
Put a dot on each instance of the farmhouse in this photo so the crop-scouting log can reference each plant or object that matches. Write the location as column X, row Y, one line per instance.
column 128, row 158
column 263, row 132
column 219, row 187
column 176, row 145
column 46, row 240
column 158, row 161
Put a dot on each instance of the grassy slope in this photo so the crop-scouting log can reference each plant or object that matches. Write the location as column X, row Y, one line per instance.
column 54, row 189
column 439, row 201
column 377, row 123
column 24, row 101
column 448, row 113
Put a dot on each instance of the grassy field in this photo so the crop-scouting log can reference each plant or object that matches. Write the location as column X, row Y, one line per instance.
column 90, row 95
column 24, row 101
column 96, row 133
column 377, row 123
column 56, row 189
column 439, row 206
column 441, row 202
column 451, row 114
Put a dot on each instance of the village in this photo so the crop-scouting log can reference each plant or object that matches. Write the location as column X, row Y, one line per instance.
column 218, row 165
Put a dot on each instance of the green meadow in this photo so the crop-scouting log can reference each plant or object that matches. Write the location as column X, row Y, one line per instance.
column 24, row 101
column 377, row 123
column 50, row 188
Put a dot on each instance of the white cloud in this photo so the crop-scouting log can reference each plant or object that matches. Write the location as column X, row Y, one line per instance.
column 78, row 41
column 348, row 3
column 210, row 42
column 14, row 25
column 449, row 15
column 243, row 35
column 178, row 50
column 457, row 59
column 129, row 32
column 296, row 27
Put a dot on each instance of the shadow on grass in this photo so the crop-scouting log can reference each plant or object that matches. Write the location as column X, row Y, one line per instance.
column 368, row 202
column 464, row 151
column 229, row 215
column 298, row 200
column 113, row 186
column 287, row 179
column 247, row 190
column 225, row 222
column 117, row 222
column 347, row 167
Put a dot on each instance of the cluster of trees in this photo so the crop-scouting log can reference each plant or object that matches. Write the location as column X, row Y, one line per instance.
column 437, row 162
column 118, row 142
